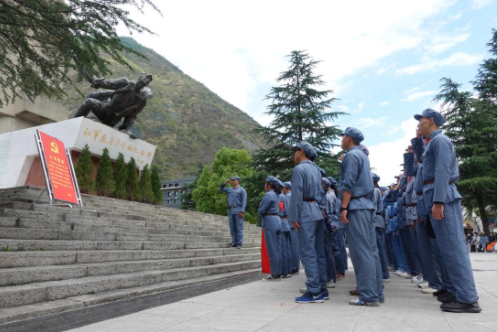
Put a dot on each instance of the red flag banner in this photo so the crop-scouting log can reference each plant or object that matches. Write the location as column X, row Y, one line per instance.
column 265, row 259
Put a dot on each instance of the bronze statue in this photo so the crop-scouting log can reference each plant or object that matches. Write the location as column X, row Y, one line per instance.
column 122, row 99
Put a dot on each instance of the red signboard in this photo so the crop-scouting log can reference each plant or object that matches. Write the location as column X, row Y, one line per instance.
column 58, row 169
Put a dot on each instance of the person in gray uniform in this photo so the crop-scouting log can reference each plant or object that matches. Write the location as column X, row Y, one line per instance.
column 440, row 172
column 306, row 217
column 330, row 245
column 272, row 225
column 287, row 191
column 340, row 255
column 379, row 223
column 237, row 200
column 357, row 210
column 285, row 251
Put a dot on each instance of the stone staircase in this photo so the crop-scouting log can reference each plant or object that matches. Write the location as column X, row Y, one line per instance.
column 57, row 259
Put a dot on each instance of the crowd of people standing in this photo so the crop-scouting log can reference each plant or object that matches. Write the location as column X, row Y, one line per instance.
column 413, row 229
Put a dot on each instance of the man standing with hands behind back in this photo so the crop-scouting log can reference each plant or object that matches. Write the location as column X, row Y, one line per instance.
column 237, row 200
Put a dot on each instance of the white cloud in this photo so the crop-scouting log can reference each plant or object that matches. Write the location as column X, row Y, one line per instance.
column 386, row 157
column 385, row 103
column 370, row 122
column 417, row 95
column 442, row 42
column 358, row 108
column 478, row 4
column 234, row 48
column 457, row 59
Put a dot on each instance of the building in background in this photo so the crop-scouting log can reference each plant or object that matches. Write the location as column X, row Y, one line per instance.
column 173, row 190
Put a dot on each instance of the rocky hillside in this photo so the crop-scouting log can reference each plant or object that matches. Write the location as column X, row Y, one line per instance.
column 186, row 120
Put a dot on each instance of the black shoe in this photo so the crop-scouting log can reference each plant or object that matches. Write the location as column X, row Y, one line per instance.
column 230, row 246
column 446, row 298
column 461, row 307
column 440, row 292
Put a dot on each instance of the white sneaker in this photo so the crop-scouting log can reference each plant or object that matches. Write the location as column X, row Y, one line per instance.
column 423, row 285
column 386, row 280
column 418, row 279
column 331, row 284
column 404, row 274
column 429, row 290
column 398, row 272
column 270, row 278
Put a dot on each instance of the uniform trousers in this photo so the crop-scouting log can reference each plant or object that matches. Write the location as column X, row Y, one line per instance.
column 398, row 252
column 340, row 255
column 311, row 244
column 432, row 271
column 329, row 255
column 391, row 260
column 365, row 255
column 454, row 253
column 294, row 252
column 285, row 252
column 409, row 251
column 382, row 252
column 273, row 230
column 236, row 225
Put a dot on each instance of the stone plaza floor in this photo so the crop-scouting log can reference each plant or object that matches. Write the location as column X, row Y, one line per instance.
column 270, row 306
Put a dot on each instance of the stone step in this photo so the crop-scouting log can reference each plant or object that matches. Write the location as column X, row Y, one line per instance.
column 72, row 303
column 46, row 258
column 58, row 245
column 25, row 275
column 56, row 290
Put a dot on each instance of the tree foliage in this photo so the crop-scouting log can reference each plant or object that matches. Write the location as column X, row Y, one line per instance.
column 84, row 171
column 156, row 186
column 132, row 186
column 39, row 39
column 471, row 126
column 300, row 112
column 146, row 186
column 120, row 177
column 105, row 183
column 227, row 163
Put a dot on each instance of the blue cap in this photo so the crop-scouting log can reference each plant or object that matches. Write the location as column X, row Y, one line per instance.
column 364, row 149
column 274, row 181
column 288, row 184
column 322, row 171
column 309, row 150
column 383, row 188
column 431, row 114
column 375, row 177
column 332, row 180
column 392, row 184
column 326, row 182
column 354, row 133
column 235, row 178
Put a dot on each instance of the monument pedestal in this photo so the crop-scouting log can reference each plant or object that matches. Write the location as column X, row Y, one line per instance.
column 20, row 164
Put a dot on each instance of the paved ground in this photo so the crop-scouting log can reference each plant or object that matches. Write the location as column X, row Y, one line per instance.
column 264, row 306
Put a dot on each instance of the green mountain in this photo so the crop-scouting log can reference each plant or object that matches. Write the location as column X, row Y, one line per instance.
column 186, row 120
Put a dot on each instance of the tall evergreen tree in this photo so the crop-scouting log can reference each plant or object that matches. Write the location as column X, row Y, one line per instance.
column 120, row 177
column 471, row 125
column 105, row 183
column 84, row 171
column 156, row 186
column 146, row 186
column 300, row 112
column 39, row 40
column 132, row 186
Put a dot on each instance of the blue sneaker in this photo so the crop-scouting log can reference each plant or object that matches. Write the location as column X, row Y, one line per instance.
column 310, row 298
column 326, row 295
column 361, row 303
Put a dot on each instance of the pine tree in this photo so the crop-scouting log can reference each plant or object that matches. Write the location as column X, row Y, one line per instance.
column 84, row 171
column 40, row 39
column 156, row 186
column 132, row 186
column 146, row 186
column 105, row 183
column 300, row 112
column 471, row 126
column 120, row 177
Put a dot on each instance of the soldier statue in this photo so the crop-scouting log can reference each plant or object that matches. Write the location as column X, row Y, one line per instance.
column 121, row 99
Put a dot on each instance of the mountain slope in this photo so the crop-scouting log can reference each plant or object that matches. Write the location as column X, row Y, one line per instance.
column 186, row 121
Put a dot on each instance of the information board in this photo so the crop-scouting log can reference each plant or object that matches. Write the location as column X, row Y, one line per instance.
column 58, row 169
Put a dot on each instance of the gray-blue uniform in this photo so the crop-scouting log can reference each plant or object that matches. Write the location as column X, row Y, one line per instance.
column 293, row 235
column 329, row 201
column 439, row 175
column 355, row 179
column 429, row 253
column 304, row 209
column 285, row 251
column 379, row 228
column 237, row 200
column 272, row 226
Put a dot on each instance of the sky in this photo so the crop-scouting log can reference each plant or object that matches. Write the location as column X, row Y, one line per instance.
column 383, row 59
